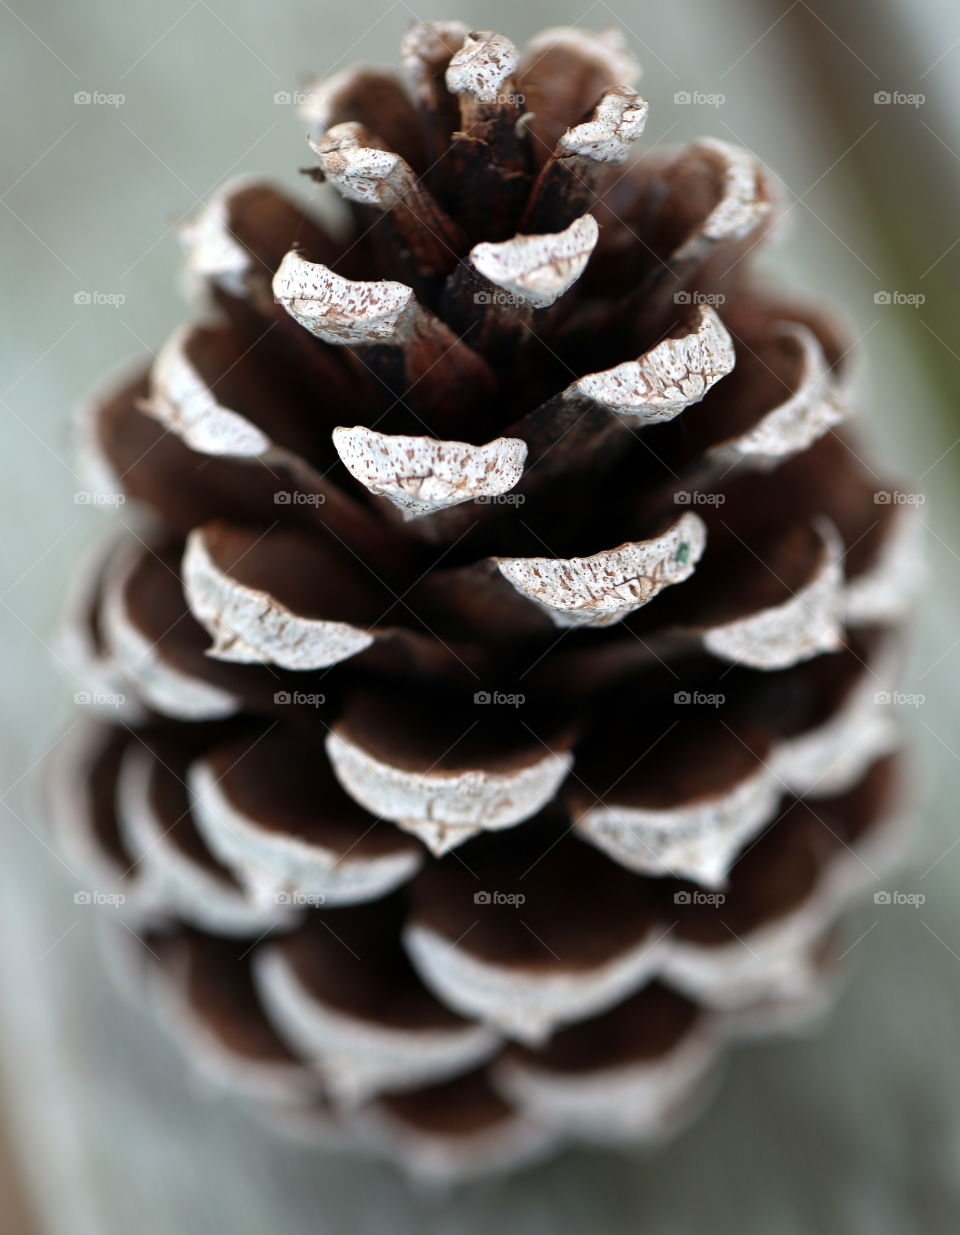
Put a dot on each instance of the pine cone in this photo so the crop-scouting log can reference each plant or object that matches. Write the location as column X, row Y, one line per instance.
column 499, row 654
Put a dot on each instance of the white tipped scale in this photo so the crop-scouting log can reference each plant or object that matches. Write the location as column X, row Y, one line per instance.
column 178, row 884
column 770, row 962
column 830, row 759
column 603, row 589
column 797, row 1010
column 775, row 959
column 321, row 97
column 360, row 171
column 443, row 809
column 278, row 867
column 744, row 200
column 620, row 1103
column 806, row 625
column 608, row 50
column 313, row 1125
column 95, row 470
column 428, row 46
column 250, row 626
column 215, row 1059
column 608, row 136
column 885, row 592
column 664, row 381
column 385, row 314
column 697, row 841
column 182, row 402
column 585, row 157
column 438, row 1160
column 159, row 684
column 421, row 475
column 528, row 1003
column 700, row 839
column 482, row 67
column 213, row 253
column 72, row 813
column 78, row 646
column 537, row 270
column 815, row 405
column 339, row 310
column 360, row 1058
column 215, row 1064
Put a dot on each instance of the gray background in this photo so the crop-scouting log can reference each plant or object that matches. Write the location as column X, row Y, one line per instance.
column 854, row 1130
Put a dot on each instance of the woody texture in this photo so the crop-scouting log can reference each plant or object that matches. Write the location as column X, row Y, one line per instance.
column 499, row 621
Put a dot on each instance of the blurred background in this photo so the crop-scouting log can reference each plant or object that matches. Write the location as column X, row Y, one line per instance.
column 119, row 119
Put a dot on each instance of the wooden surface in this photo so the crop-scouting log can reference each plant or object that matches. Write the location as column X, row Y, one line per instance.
column 854, row 1131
